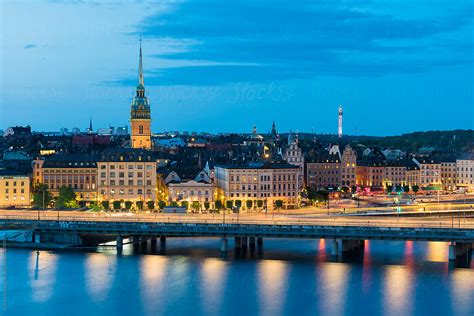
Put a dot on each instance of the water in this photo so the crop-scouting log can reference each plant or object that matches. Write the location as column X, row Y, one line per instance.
column 188, row 277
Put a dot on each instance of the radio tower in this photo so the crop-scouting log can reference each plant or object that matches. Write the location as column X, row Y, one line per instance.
column 339, row 128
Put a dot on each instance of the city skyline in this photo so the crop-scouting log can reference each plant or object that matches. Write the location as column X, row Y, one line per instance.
column 200, row 77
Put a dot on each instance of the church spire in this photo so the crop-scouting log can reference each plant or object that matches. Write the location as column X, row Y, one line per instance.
column 141, row 82
column 90, row 125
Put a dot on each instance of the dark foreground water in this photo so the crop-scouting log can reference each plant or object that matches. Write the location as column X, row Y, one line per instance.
column 189, row 277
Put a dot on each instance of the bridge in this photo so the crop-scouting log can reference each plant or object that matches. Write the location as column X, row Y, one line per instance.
column 349, row 232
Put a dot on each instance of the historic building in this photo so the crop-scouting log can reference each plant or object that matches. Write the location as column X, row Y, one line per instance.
column 265, row 182
column 430, row 173
column 348, row 167
column 394, row 173
column 465, row 174
column 14, row 189
column 370, row 174
column 140, row 117
column 127, row 175
column 294, row 156
column 76, row 171
column 448, row 175
column 323, row 171
column 198, row 192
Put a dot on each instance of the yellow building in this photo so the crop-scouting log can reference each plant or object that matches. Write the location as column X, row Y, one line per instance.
column 140, row 117
column 14, row 189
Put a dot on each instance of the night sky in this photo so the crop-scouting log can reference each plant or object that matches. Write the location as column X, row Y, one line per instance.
column 224, row 66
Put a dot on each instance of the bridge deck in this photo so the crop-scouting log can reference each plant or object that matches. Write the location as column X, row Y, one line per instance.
column 297, row 229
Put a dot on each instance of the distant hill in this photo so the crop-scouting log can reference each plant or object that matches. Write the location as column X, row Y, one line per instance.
column 454, row 141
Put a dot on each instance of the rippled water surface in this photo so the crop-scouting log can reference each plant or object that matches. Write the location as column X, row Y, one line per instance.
column 189, row 276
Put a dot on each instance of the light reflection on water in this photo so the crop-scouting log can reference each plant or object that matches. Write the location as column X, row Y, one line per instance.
column 42, row 275
column 286, row 277
column 99, row 273
column 272, row 285
column 212, row 283
column 398, row 287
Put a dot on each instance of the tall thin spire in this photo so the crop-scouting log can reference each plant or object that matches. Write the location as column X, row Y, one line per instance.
column 90, row 125
column 140, row 67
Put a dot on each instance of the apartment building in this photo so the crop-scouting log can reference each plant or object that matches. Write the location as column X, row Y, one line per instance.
column 76, row 171
column 14, row 189
column 268, row 182
column 127, row 175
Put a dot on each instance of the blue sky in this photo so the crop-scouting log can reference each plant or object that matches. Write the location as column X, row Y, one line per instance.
column 395, row 66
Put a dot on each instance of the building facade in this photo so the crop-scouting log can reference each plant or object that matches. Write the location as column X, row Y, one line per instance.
column 127, row 175
column 448, row 175
column 76, row 171
column 267, row 182
column 348, row 167
column 465, row 174
column 199, row 190
column 323, row 171
column 295, row 156
column 370, row 175
column 430, row 173
column 14, row 189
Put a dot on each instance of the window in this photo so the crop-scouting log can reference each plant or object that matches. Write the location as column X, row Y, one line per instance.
column 140, row 129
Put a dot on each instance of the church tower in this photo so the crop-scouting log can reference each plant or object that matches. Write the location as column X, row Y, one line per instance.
column 140, row 119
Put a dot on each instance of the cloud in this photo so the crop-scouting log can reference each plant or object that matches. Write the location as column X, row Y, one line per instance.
column 28, row 46
column 287, row 40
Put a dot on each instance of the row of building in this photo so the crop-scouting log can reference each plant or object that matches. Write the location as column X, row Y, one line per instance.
column 138, row 175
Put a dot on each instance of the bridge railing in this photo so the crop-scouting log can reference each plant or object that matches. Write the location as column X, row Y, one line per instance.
column 454, row 223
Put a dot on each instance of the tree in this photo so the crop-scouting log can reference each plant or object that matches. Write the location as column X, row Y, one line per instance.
column 218, row 204
column 259, row 203
column 207, row 205
column 415, row 188
column 353, row 189
column 72, row 204
column 128, row 205
column 66, row 197
column 95, row 207
column 249, row 204
column 238, row 203
column 398, row 188
column 151, row 205
column 105, row 205
column 139, row 205
column 161, row 204
column 41, row 196
column 184, row 204
column 406, row 188
column 344, row 189
column 278, row 204
column 229, row 204
column 116, row 205
column 174, row 203
column 388, row 188
column 196, row 205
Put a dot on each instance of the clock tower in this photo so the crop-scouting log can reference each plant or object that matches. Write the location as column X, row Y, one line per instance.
column 140, row 118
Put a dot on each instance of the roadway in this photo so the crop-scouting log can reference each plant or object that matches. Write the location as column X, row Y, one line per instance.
column 283, row 218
